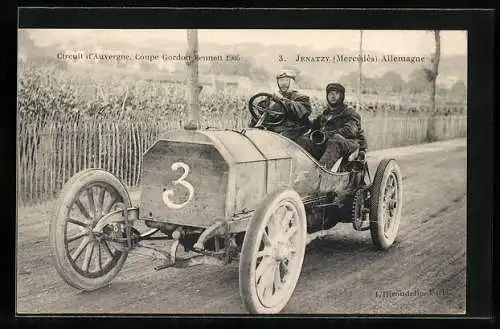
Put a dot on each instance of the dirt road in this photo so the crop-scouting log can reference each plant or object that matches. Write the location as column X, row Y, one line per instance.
column 424, row 271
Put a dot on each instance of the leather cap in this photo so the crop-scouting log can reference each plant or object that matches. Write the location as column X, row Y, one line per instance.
column 286, row 74
column 335, row 86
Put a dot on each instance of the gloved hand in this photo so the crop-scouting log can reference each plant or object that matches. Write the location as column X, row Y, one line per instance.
column 277, row 98
column 330, row 133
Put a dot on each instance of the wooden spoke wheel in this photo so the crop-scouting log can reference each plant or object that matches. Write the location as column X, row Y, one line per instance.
column 386, row 203
column 273, row 252
column 83, row 257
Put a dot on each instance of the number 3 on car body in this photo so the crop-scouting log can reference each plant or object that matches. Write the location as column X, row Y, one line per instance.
column 168, row 193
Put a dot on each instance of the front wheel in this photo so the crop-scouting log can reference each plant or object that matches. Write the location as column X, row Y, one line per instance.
column 386, row 203
column 272, row 253
column 81, row 256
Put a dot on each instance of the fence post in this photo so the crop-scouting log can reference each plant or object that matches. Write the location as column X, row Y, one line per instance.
column 85, row 145
column 192, row 87
column 113, row 148
column 136, row 156
column 108, row 146
column 99, row 145
column 76, row 165
column 129, row 157
column 384, row 129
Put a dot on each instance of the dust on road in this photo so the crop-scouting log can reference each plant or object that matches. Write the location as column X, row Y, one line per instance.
column 424, row 271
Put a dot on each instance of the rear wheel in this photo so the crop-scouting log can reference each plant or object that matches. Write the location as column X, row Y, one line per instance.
column 386, row 201
column 83, row 257
column 273, row 252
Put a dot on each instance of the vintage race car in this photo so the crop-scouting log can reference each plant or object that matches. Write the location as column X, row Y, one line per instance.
column 251, row 196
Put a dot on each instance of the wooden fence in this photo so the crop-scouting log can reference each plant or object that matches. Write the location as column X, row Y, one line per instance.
column 49, row 153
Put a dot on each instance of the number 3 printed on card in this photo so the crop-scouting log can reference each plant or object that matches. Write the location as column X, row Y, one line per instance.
column 168, row 193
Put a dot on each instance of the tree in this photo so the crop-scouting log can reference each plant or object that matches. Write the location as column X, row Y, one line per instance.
column 350, row 80
column 303, row 80
column 391, row 81
column 432, row 75
column 369, row 85
column 145, row 66
column 441, row 90
column 25, row 41
column 418, row 81
column 360, row 71
column 459, row 89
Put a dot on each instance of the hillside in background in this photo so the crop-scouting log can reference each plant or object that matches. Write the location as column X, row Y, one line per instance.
column 260, row 62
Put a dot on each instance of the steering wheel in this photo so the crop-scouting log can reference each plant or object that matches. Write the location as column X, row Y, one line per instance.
column 262, row 112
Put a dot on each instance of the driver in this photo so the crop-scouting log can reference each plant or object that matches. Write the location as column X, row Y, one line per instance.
column 342, row 127
column 297, row 111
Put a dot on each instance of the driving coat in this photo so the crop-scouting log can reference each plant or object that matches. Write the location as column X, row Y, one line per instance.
column 342, row 120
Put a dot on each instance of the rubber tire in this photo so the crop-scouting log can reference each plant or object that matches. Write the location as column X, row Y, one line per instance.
column 385, row 167
column 251, row 245
column 57, row 229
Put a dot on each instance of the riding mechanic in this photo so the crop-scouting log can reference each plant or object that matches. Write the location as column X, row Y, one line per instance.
column 341, row 125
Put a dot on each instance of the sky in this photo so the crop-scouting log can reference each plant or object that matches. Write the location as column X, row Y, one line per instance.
column 392, row 41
